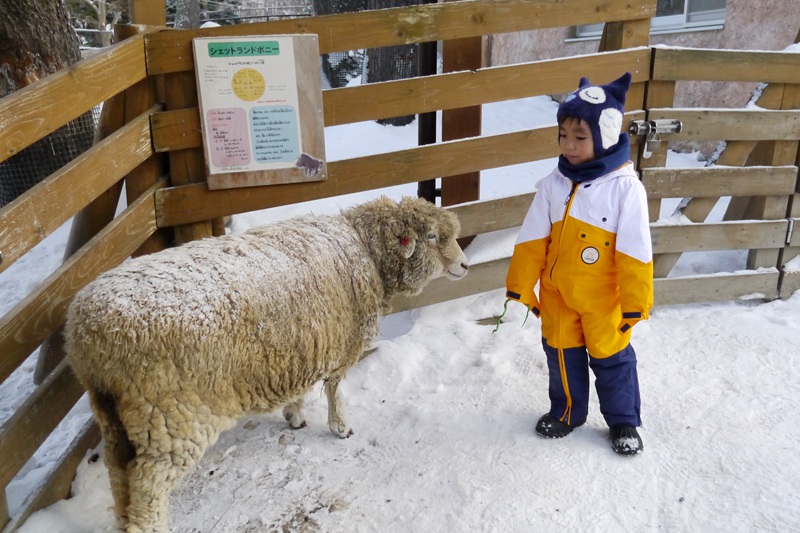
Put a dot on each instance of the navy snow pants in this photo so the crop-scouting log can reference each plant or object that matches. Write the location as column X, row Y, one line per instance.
column 616, row 382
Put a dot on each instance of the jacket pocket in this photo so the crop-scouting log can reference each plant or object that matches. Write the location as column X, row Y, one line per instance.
column 595, row 248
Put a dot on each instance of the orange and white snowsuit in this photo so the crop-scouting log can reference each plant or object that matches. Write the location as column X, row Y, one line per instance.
column 588, row 246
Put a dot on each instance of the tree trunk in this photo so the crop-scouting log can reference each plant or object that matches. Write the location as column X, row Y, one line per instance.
column 37, row 40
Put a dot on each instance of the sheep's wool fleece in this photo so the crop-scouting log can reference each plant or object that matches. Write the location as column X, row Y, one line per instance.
column 249, row 320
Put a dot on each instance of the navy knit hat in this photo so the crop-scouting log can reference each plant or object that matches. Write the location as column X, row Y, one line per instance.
column 601, row 107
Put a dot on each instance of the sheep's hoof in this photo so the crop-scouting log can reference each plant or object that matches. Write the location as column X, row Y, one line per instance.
column 342, row 431
column 294, row 416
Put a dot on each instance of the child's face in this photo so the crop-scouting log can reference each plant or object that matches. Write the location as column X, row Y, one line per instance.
column 575, row 141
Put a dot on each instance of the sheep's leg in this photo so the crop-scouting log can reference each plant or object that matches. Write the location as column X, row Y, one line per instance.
column 152, row 477
column 336, row 421
column 293, row 412
column 151, row 481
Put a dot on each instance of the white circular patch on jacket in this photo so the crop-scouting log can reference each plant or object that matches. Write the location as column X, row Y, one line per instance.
column 590, row 255
column 593, row 95
column 610, row 127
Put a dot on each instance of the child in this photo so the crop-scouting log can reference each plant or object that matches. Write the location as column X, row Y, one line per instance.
column 586, row 241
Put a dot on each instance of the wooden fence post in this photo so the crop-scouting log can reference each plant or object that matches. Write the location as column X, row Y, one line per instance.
column 457, row 55
column 659, row 94
column 150, row 12
column 788, row 283
column 462, row 54
column 186, row 166
column 627, row 34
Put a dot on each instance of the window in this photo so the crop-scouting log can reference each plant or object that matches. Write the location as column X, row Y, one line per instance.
column 674, row 16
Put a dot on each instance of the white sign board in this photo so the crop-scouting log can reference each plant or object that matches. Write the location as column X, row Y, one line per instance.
column 261, row 109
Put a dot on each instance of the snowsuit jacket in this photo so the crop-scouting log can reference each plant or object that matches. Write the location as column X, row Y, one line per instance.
column 588, row 246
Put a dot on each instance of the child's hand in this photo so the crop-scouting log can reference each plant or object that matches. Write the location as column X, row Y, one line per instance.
column 629, row 320
column 530, row 301
column 534, row 308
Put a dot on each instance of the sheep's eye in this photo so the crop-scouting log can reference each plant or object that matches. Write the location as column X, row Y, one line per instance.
column 432, row 237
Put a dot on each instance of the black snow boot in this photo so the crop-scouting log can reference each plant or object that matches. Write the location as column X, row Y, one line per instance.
column 553, row 428
column 625, row 440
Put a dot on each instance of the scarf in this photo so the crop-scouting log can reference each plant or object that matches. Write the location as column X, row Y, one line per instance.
column 591, row 170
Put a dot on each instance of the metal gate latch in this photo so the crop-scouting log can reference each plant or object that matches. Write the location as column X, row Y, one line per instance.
column 653, row 130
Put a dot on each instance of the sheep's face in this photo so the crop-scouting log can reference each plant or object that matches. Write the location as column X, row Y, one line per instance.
column 411, row 242
column 427, row 243
column 439, row 240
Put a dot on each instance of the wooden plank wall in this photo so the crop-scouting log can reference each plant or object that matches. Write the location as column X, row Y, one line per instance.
column 765, row 135
column 186, row 204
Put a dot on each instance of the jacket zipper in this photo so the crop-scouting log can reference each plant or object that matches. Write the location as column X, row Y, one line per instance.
column 567, row 416
column 568, row 203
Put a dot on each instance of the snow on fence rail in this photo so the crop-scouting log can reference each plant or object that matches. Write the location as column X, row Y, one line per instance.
column 149, row 139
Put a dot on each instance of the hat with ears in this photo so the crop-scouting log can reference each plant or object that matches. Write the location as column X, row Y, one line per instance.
column 601, row 107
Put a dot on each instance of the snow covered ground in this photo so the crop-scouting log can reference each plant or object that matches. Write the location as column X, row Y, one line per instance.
column 443, row 412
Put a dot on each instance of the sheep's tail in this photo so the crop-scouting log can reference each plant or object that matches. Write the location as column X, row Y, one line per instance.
column 104, row 407
column 119, row 450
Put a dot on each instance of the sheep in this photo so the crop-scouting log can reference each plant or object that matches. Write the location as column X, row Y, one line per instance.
column 174, row 347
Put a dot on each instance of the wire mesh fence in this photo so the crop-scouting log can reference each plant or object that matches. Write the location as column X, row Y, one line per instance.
column 33, row 164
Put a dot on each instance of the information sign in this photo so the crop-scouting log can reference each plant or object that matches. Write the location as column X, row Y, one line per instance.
column 260, row 105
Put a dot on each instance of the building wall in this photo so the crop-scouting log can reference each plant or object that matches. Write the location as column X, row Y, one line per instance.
column 769, row 25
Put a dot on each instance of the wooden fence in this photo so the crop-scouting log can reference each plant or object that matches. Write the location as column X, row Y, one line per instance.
column 149, row 140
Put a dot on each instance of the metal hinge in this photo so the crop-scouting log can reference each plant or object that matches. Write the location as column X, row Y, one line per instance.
column 653, row 129
column 789, row 231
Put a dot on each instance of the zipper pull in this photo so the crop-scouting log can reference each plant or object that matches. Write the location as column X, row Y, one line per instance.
column 571, row 192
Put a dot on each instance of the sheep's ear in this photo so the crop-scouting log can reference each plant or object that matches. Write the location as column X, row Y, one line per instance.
column 407, row 246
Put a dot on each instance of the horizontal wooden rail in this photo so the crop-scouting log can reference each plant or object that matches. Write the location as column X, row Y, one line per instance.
column 714, row 181
column 725, row 65
column 732, row 125
column 492, row 215
column 468, row 88
column 37, row 110
column 57, row 485
column 192, row 203
column 170, row 51
column 715, row 287
column 43, row 208
column 25, row 327
column 721, row 236
column 32, row 422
